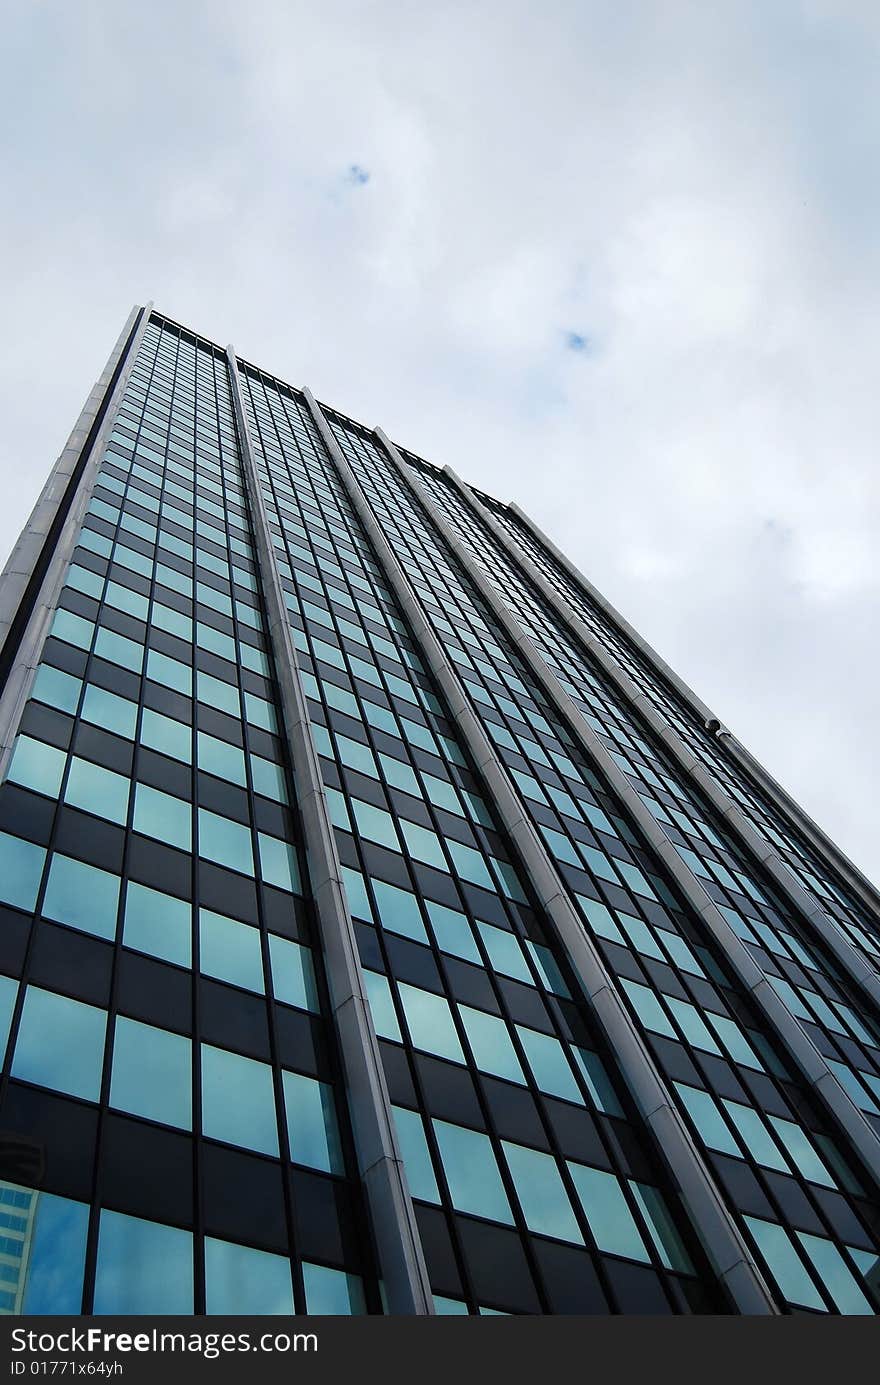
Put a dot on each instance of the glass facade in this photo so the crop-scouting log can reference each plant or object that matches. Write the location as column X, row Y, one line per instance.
column 185, row 1131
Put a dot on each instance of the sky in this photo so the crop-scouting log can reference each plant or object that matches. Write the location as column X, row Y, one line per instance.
column 616, row 260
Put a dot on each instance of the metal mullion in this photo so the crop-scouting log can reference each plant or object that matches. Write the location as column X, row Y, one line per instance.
column 393, row 1221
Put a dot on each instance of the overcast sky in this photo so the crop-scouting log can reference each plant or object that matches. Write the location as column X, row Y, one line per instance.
column 616, row 260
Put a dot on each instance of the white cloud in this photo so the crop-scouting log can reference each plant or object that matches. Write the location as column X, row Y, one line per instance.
column 690, row 186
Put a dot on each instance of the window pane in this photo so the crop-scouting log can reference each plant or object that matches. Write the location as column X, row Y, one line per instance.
column 453, row 932
column 238, row 1100
column 430, row 1022
column 239, row 1279
column 669, row 1244
column 332, row 1292
column 398, row 911
column 82, row 896
column 169, row 737
column 611, row 1221
column 142, row 1267
column 549, row 1064
column 160, row 815
column 113, row 713
column 56, row 688
column 505, row 953
column 832, row 1270
column 152, row 1073
column 21, row 868
column 375, row 824
column 472, row 1172
column 37, row 766
column 756, row 1136
column 311, row 1123
column 230, row 950
column 278, row 863
column 707, row 1118
column 597, row 1080
column 492, row 1046
column 785, row 1264
column 159, row 924
column 60, row 1044
column 97, row 790
column 8, row 993
column 423, row 845
column 224, row 841
column 293, row 973
column 221, row 759
column 416, row 1156
column 381, row 1005
column 57, row 1254
column 541, row 1192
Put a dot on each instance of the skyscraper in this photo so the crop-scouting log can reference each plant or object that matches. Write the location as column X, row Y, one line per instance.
column 386, row 928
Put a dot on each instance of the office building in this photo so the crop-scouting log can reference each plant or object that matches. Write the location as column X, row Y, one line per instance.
column 385, row 927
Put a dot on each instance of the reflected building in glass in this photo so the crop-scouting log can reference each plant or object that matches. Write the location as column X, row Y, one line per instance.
column 386, row 928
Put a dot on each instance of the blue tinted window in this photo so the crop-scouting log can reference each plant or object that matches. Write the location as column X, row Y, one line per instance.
column 225, row 841
column 158, row 923
column 152, row 1073
column 238, row 1100
column 56, row 688
column 8, row 993
column 278, row 863
column 541, row 1193
column 293, row 973
column 423, row 844
column 663, row 1232
column 142, row 1267
column 505, row 953
column 833, row 1271
column 398, row 911
column 230, row 950
column 109, row 711
column 375, row 824
column 57, row 1255
column 453, row 932
column 311, row 1123
column 60, row 1044
column 416, row 1157
column 160, row 815
column 785, row 1264
column 491, row 1044
column 471, row 1170
column 549, row 1064
column 597, row 1080
column 381, row 1005
column 222, row 759
column 332, row 1292
column 239, row 1279
column 605, row 1205
column 82, row 896
column 37, row 766
column 268, row 778
column 430, row 1022
column 170, row 673
column 706, row 1116
column 97, row 790
column 166, row 735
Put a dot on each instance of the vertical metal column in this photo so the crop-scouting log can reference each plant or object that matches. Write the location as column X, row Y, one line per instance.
column 401, row 1259
column 811, row 1064
column 31, row 581
column 725, row 1248
column 865, row 892
column 848, row 957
